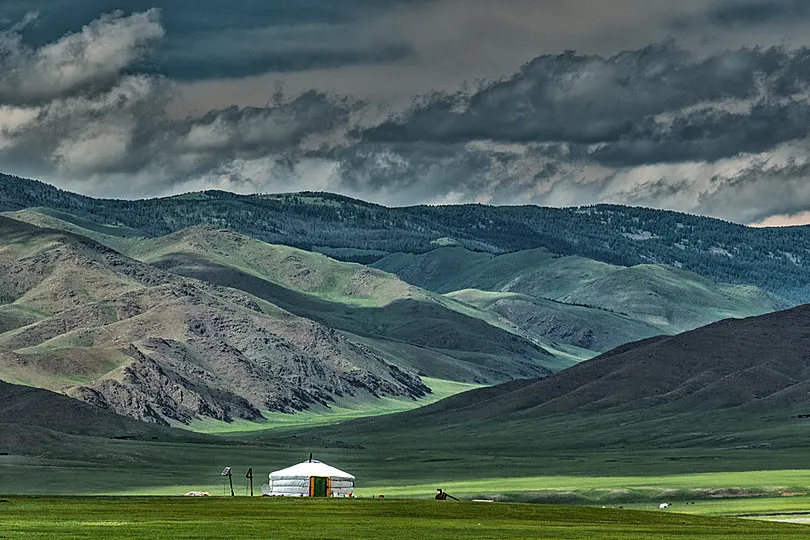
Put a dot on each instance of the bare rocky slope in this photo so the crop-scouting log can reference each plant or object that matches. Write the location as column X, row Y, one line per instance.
column 87, row 321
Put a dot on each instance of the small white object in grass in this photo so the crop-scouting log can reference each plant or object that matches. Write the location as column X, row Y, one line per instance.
column 663, row 505
column 198, row 494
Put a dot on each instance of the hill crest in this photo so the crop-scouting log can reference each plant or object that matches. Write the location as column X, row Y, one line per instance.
column 775, row 259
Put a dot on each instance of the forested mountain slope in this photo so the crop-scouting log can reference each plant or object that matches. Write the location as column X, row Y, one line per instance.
column 776, row 259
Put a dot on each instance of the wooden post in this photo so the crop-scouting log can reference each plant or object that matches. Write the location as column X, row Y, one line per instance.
column 227, row 472
column 250, row 476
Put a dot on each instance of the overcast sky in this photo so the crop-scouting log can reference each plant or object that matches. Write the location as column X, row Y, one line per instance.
column 697, row 105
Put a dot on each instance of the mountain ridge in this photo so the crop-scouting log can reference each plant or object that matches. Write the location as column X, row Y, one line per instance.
column 730, row 350
column 775, row 259
column 579, row 301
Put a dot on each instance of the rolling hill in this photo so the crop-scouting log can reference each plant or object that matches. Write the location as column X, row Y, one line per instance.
column 572, row 306
column 37, row 408
column 722, row 395
column 215, row 324
column 760, row 363
column 37, row 424
column 587, row 327
column 353, row 298
column 774, row 259
column 579, row 301
column 160, row 347
column 435, row 335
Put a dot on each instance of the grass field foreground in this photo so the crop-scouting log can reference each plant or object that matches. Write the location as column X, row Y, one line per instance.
column 142, row 517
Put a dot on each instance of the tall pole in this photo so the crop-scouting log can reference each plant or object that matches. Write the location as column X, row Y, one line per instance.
column 227, row 472
column 250, row 476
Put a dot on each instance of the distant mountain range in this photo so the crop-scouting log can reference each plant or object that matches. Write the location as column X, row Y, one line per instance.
column 775, row 259
column 162, row 310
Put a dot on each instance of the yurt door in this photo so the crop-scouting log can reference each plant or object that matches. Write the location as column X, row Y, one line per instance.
column 318, row 486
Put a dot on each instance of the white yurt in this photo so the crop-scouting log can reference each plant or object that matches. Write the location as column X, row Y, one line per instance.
column 310, row 479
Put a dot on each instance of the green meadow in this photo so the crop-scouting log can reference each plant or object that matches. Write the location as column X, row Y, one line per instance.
column 782, row 490
column 144, row 517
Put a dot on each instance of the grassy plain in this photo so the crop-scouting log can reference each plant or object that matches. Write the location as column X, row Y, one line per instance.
column 139, row 517
column 748, row 485
column 587, row 460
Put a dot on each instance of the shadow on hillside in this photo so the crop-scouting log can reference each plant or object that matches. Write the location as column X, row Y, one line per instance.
column 419, row 323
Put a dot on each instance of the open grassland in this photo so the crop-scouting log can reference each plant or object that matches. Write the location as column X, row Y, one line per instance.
column 787, row 487
column 544, row 464
column 140, row 517
column 709, row 493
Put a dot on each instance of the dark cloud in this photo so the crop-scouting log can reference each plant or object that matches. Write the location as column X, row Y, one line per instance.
column 708, row 134
column 74, row 108
column 418, row 172
column 758, row 192
column 578, row 98
column 85, row 61
column 757, row 12
column 126, row 131
column 657, row 104
column 104, row 132
column 208, row 40
column 252, row 131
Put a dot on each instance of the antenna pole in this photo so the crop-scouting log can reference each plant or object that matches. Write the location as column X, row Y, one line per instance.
column 250, row 476
column 310, row 457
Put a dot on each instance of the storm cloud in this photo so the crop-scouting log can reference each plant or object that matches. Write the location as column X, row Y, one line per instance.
column 757, row 12
column 404, row 103
column 83, row 61
column 74, row 110
column 659, row 103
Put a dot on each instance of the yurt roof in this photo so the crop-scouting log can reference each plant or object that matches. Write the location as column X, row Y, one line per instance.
column 310, row 468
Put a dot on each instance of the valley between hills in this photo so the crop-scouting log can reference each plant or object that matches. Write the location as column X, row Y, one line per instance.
column 398, row 342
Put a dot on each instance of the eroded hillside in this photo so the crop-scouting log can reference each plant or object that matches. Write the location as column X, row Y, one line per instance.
column 156, row 346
